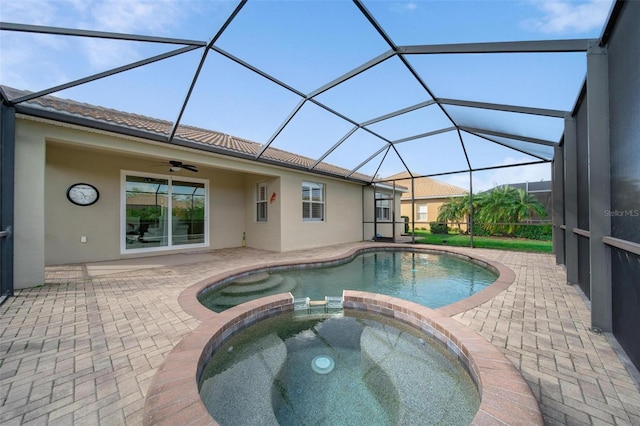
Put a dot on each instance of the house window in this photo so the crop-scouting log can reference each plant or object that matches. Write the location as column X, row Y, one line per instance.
column 312, row 201
column 422, row 213
column 383, row 207
column 261, row 202
column 161, row 212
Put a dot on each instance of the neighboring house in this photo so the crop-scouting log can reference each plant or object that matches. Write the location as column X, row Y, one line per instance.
column 422, row 207
column 146, row 206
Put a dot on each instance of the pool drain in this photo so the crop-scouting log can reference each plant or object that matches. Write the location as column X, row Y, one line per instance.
column 323, row 364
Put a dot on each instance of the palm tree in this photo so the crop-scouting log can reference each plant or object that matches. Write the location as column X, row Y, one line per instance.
column 450, row 212
column 501, row 205
column 524, row 207
column 507, row 205
column 455, row 210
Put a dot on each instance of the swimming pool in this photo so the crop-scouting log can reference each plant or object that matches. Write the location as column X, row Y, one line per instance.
column 356, row 369
column 174, row 394
column 429, row 279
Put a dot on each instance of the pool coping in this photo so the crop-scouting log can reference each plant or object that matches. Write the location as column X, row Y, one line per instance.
column 173, row 397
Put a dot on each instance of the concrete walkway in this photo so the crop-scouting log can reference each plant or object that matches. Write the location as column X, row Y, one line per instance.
column 83, row 348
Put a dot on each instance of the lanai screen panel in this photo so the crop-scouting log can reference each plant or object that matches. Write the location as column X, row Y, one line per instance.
column 311, row 132
column 435, row 154
column 229, row 98
column 423, row 120
column 544, row 152
column 541, row 80
column 484, row 153
column 303, row 44
column 380, row 90
column 518, row 124
column 487, row 179
column 356, row 149
column 314, row 78
column 409, row 23
column 58, row 60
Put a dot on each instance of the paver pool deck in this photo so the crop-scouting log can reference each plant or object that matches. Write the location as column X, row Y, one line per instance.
column 83, row 348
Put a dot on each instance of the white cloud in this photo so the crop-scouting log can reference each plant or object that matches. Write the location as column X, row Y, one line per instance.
column 135, row 16
column 131, row 16
column 27, row 12
column 66, row 58
column 404, row 7
column 563, row 16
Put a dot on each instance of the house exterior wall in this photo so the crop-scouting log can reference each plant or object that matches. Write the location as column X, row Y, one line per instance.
column 29, row 214
column 385, row 229
column 65, row 223
column 343, row 213
column 433, row 208
column 51, row 156
column 263, row 235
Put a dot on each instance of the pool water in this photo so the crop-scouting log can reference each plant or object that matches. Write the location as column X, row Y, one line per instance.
column 383, row 372
column 431, row 280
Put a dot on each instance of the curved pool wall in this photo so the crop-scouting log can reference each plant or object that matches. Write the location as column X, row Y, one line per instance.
column 174, row 398
column 376, row 370
column 189, row 298
column 430, row 279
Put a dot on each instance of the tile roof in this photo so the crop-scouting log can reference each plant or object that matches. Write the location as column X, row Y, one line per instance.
column 426, row 187
column 198, row 136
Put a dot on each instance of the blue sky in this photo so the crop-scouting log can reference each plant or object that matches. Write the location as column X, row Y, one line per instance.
column 307, row 44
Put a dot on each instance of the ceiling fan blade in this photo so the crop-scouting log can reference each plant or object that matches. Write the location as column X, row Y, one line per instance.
column 190, row 167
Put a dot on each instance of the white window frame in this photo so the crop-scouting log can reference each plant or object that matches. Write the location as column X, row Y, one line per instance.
column 170, row 179
column 262, row 199
column 418, row 212
column 383, row 207
column 311, row 186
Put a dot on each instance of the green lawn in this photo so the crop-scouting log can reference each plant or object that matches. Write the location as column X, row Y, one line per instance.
column 519, row 244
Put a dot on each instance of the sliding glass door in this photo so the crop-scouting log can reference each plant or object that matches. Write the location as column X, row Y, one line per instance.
column 187, row 212
column 161, row 212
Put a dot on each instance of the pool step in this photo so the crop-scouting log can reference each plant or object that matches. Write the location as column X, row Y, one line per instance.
column 244, row 287
column 228, row 300
column 252, row 278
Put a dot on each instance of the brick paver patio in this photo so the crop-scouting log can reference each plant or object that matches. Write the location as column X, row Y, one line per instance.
column 83, row 348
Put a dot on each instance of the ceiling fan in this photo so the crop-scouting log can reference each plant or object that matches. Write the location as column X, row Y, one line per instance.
column 176, row 166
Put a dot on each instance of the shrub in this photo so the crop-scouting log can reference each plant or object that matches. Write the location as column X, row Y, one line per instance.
column 480, row 230
column 438, row 228
column 533, row 232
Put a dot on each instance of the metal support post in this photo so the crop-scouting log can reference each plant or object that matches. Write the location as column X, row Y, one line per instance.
column 599, row 186
column 470, row 209
column 571, row 198
column 558, row 204
column 7, row 164
column 413, row 212
column 393, row 212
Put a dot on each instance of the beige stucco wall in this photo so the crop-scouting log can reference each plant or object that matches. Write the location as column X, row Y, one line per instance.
column 29, row 215
column 343, row 213
column 263, row 235
column 48, row 228
column 65, row 222
column 433, row 207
